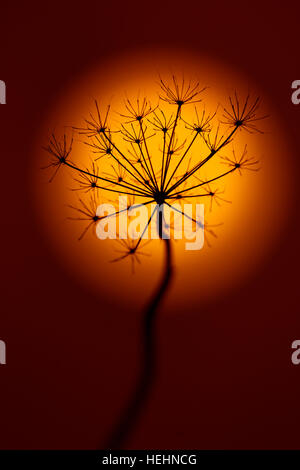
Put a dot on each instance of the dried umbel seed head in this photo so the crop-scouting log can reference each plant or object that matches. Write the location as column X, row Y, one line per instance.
column 158, row 172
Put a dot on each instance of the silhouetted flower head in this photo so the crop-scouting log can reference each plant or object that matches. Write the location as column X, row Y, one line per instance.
column 118, row 174
column 59, row 152
column 243, row 115
column 161, row 170
column 138, row 111
column 135, row 154
column 161, row 123
column 87, row 212
column 88, row 179
column 180, row 93
column 214, row 195
column 128, row 249
column 242, row 162
column 202, row 123
column 215, row 140
column 134, row 136
column 176, row 148
column 101, row 145
column 96, row 124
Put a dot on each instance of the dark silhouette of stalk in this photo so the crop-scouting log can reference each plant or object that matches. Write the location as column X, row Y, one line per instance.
column 146, row 379
column 163, row 184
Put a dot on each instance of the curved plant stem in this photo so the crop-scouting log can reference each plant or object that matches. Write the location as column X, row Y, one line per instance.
column 146, row 379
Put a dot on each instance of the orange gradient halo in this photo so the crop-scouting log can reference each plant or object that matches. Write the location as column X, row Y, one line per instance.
column 249, row 226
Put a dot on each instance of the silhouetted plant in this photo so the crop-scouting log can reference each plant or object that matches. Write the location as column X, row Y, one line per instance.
column 138, row 173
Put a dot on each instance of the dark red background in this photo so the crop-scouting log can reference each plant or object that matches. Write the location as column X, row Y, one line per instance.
column 72, row 363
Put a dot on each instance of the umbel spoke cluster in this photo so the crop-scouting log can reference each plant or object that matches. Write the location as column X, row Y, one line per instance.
column 164, row 174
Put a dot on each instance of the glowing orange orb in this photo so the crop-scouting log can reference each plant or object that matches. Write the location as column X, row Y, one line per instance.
column 250, row 225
